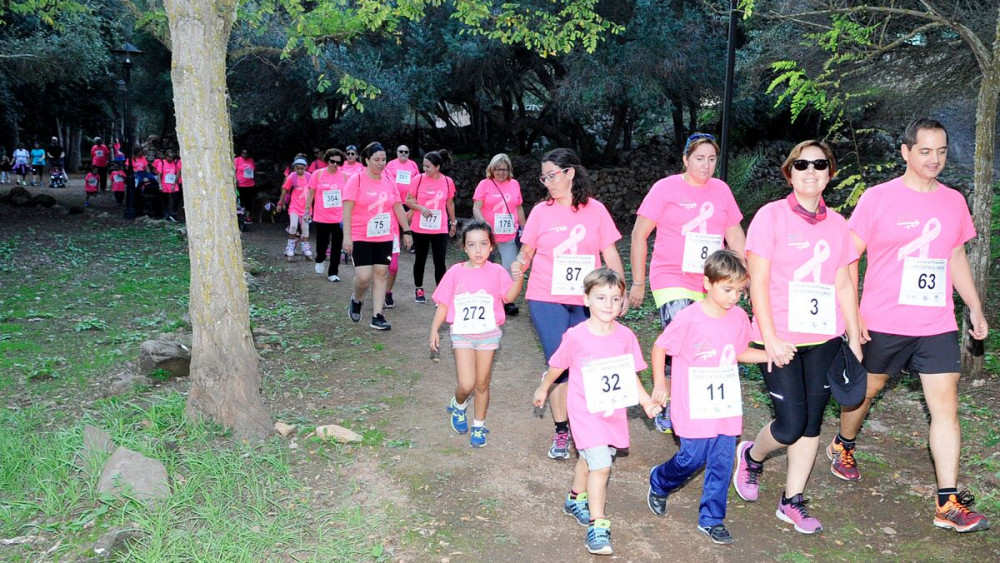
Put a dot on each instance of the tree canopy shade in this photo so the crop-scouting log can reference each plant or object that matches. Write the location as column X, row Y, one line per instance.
column 912, row 47
column 225, row 378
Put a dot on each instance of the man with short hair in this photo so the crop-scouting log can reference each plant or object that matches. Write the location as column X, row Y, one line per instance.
column 914, row 229
column 401, row 170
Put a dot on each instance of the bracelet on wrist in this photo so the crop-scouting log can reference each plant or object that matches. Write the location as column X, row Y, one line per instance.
column 408, row 232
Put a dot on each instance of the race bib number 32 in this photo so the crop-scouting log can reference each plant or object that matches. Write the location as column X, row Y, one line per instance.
column 610, row 384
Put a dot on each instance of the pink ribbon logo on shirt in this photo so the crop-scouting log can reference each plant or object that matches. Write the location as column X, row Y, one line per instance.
column 813, row 266
column 701, row 221
column 576, row 236
column 377, row 206
column 728, row 356
column 922, row 244
column 435, row 202
column 500, row 206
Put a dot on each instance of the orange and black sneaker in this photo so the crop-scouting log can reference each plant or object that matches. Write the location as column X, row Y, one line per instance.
column 957, row 515
column 842, row 462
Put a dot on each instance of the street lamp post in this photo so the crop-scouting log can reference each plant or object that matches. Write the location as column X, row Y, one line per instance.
column 128, row 50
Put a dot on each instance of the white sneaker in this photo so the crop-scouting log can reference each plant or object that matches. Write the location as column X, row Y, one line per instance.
column 334, row 278
column 290, row 248
column 307, row 249
column 319, row 267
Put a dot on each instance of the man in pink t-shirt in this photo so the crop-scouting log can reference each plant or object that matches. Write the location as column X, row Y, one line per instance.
column 914, row 229
column 100, row 155
column 402, row 170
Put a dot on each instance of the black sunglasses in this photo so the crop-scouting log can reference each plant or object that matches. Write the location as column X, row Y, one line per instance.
column 335, row 161
column 403, row 152
column 818, row 164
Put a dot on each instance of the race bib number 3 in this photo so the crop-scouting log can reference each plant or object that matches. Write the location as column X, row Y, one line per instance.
column 474, row 314
column 923, row 282
column 697, row 247
column 568, row 271
column 378, row 226
column 331, row 198
column 503, row 224
column 610, row 384
column 432, row 223
column 714, row 392
column 812, row 308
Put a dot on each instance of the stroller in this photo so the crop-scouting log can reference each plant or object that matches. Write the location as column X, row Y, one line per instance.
column 57, row 178
column 242, row 214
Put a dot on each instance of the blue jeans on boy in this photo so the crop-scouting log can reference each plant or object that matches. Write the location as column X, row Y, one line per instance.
column 717, row 456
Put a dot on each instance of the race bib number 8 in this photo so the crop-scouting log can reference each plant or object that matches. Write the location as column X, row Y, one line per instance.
column 378, row 226
column 714, row 392
column 610, row 384
column 568, row 271
column 331, row 198
column 698, row 247
column 923, row 282
column 503, row 224
column 474, row 314
column 812, row 308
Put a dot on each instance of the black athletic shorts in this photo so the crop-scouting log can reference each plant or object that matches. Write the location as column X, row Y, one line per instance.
column 372, row 253
column 892, row 354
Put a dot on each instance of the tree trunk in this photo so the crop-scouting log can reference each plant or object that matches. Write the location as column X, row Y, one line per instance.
column 617, row 127
column 225, row 377
column 74, row 158
column 692, row 117
column 677, row 113
column 982, row 199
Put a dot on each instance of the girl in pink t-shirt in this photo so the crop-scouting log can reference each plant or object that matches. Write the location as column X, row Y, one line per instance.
column 564, row 238
column 326, row 190
column 432, row 198
column 118, row 182
column 603, row 358
column 470, row 297
column 295, row 190
column 799, row 254
column 91, row 185
column 705, row 340
column 169, row 171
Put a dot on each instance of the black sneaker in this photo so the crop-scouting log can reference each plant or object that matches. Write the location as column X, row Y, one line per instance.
column 354, row 310
column 718, row 533
column 510, row 309
column 379, row 323
column 657, row 504
column 389, row 303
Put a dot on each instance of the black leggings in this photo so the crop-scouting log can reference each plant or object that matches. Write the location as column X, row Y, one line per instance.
column 439, row 246
column 800, row 392
column 174, row 201
column 332, row 234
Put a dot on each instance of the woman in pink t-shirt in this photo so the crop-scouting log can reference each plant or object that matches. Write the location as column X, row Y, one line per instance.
column 692, row 214
column 497, row 200
column 328, row 211
column 564, row 238
column 351, row 165
column 799, row 255
column 169, row 171
column 372, row 215
column 295, row 190
column 432, row 198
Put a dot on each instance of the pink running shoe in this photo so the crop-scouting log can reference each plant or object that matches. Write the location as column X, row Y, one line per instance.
column 747, row 473
column 795, row 513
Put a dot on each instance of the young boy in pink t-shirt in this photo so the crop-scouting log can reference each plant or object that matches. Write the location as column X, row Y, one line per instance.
column 705, row 340
column 91, row 185
column 602, row 357
column 471, row 296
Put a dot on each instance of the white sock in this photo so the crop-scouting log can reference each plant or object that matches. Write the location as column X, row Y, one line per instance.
column 478, row 423
column 455, row 404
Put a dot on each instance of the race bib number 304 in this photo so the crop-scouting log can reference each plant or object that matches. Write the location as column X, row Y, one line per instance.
column 568, row 271
column 610, row 384
column 923, row 282
column 331, row 198
column 714, row 392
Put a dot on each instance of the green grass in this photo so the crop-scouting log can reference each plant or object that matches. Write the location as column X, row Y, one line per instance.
column 229, row 501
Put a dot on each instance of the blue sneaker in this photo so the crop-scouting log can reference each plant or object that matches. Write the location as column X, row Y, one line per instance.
column 458, row 420
column 477, row 438
column 577, row 508
column 662, row 421
column 599, row 537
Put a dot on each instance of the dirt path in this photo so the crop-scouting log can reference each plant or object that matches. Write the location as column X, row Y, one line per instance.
column 504, row 501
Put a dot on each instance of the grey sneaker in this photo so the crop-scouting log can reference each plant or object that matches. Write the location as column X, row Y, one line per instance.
column 379, row 323
column 354, row 310
column 718, row 533
column 560, row 446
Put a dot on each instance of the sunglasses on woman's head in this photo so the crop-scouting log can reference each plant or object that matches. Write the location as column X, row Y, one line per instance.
column 802, row 165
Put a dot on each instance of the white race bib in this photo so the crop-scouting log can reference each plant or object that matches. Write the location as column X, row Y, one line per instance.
column 503, row 224
column 698, row 247
column 923, row 282
column 432, row 223
column 714, row 392
column 378, row 226
column 474, row 314
column 98, row 153
column 331, row 198
column 812, row 308
column 568, row 271
column 609, row 384
column 170, row 178
column 248, row 173
column 395, row 244
column 403, row 177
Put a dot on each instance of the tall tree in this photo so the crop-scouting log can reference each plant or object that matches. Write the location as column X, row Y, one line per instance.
column 919, row 44
column 225, row 376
